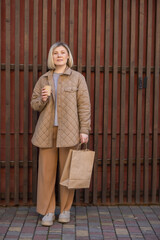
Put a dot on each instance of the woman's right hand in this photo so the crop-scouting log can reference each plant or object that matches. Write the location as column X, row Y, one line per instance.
column 44, row 95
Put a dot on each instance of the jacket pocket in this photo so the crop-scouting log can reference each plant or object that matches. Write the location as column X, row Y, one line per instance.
column 71, row 89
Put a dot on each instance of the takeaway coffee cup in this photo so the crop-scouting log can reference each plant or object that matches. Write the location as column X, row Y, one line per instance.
column 48, row 88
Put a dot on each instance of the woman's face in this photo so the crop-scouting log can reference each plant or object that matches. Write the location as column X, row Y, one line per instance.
column 60, row 56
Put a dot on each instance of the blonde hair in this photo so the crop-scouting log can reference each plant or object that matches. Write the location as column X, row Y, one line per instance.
column 51, row 64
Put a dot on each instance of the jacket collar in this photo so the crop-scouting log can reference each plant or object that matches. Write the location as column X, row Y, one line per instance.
column 67, row 71
column 47, row 74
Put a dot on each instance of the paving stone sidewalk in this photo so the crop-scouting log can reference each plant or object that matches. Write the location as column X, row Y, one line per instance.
column 87, row 223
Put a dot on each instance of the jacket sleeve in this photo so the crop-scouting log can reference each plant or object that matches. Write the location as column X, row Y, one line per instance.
column 84, row 106
column 36, row 101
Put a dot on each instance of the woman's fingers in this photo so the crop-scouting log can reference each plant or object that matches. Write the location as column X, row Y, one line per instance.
column 44, row 94
column 83, row 138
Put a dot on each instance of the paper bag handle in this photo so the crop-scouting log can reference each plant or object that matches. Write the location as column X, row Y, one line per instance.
column 80, row 144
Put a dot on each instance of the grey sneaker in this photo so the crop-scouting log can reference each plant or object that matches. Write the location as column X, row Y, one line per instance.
column 64, row 217
column 48, row 219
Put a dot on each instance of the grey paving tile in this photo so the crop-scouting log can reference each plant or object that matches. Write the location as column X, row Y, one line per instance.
column 10, row 238
column 68, row 237
column 39, row 237
column 26, row 235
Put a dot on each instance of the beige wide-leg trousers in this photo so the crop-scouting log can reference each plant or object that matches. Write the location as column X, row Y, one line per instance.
column 48, row 158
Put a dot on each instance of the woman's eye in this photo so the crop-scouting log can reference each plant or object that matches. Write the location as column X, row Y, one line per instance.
column 56, row 53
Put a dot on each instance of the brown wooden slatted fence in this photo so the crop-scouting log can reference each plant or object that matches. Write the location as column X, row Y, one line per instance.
column 115, row 45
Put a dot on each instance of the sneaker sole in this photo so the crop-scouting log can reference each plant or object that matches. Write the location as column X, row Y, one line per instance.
column 63, row 220
column 47, row 224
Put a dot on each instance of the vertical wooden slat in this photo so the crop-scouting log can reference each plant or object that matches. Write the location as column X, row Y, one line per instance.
column 7, row 142
column 34, row 118
column 147, row 105
column 123, row 90
column 114, row 99
column 106, row 100
column 0, row 100
column 139, row 102
column 54, row 14
column 44, row 44
column 80, row 18
column 79, row 56
column 131, row 101
column 88, row 63
column 89, row 39
column 16, row 112
column 156, row 103
column 71, row 27
column 96, row 98
column 62, row 21
column 26, row 101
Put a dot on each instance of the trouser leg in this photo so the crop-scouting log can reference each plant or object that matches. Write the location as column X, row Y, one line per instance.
column 66, row 195
column 46, row 180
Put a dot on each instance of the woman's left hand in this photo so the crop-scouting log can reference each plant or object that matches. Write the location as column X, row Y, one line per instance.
column 83, row 138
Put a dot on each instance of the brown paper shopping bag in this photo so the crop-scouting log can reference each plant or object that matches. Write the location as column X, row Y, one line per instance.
column 78, row 169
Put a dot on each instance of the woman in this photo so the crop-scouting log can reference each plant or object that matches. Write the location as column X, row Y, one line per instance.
column 64, row 121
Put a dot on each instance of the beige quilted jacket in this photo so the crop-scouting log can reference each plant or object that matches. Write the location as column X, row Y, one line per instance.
column 73, row 108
